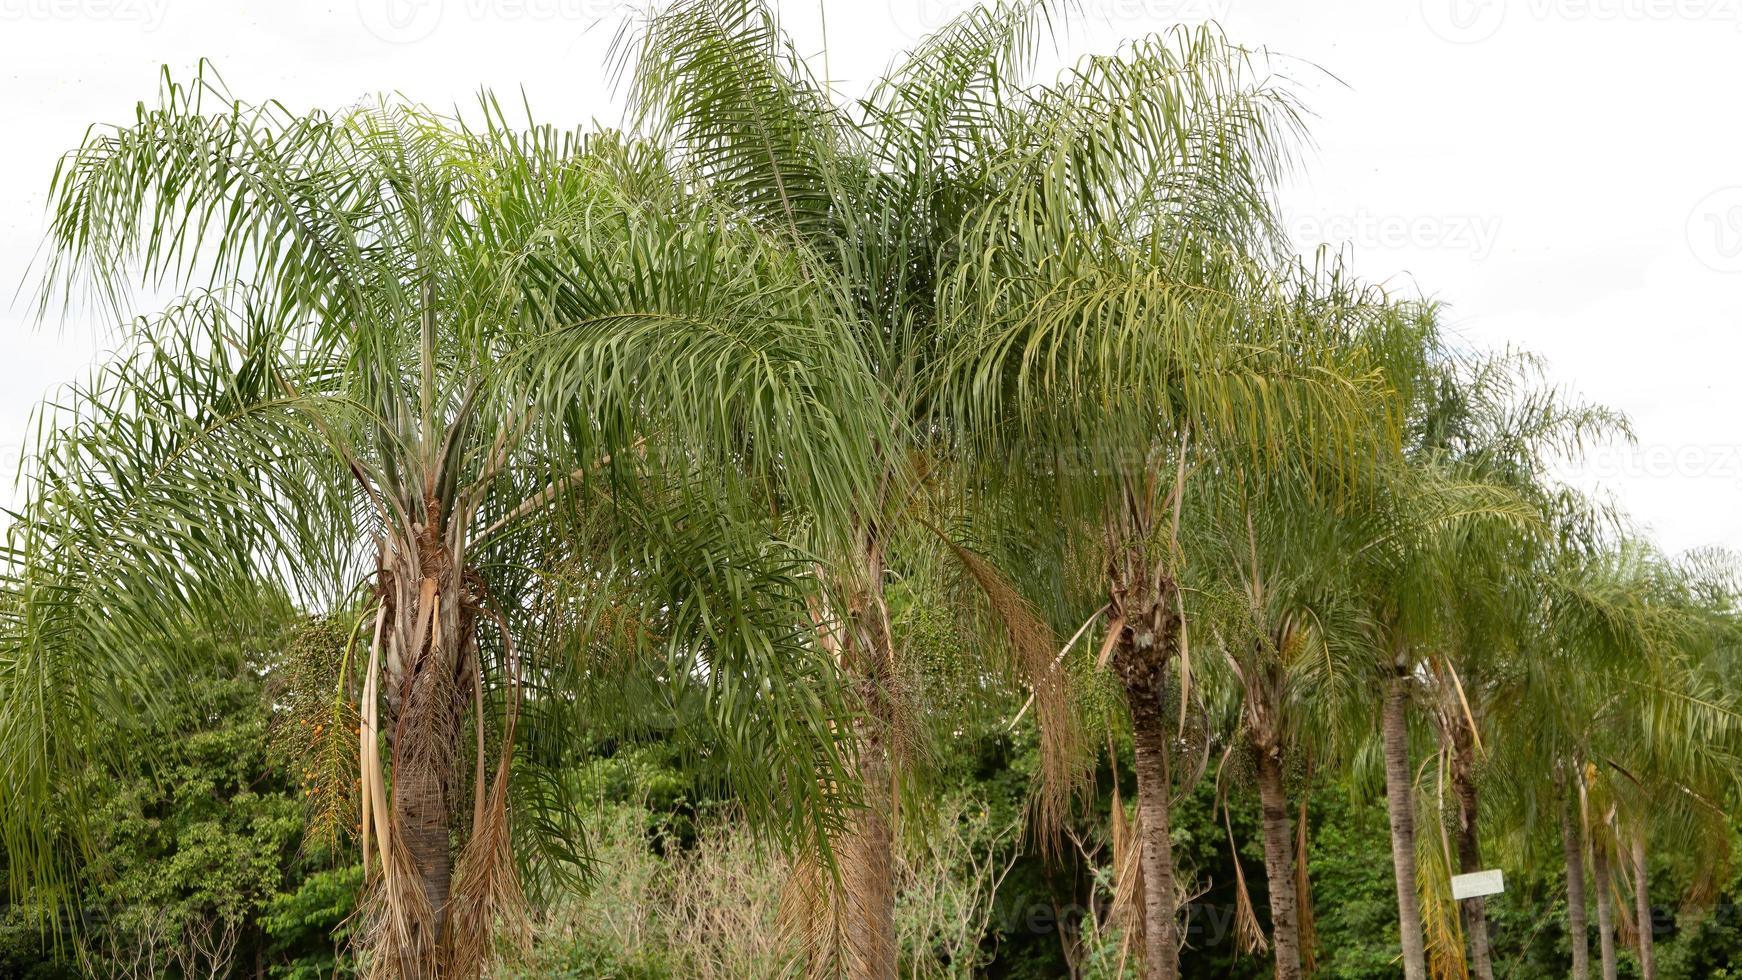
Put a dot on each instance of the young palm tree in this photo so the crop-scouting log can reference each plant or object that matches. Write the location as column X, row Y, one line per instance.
column 457, row 383
column 1266, row 586
column 1263, row 592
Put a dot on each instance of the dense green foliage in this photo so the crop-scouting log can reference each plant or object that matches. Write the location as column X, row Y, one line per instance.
column 948, row 532
column 212, row 840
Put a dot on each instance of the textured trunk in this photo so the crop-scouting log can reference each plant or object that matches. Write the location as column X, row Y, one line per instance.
column 426, row 702
column 867, row 853
column 1142, row 650
column 1605, row 911
column 421, row 811
column 1642, row 906
column 1400, row 806
column 867, row 869
column 1470, row 848
column 1143, row 606
column 1577, row 929
column 1149, row 743
column 1279, row 865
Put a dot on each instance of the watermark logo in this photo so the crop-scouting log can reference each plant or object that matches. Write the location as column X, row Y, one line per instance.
column 1715, row 230
column 1473, row 234
column 1464, row 21
column 1664, row 461
column 146, row 13
column 400, row 21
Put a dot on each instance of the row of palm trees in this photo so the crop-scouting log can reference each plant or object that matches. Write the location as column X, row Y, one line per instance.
column 752, row 405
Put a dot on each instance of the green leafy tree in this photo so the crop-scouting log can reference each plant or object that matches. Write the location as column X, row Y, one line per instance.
column 474, row 386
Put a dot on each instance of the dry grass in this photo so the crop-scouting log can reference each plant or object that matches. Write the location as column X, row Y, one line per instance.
column 712, row 910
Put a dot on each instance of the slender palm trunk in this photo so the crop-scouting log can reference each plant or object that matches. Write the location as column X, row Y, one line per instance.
column 867, row 867
column 1642, row 906
column 1577, row 928
column 1149, row 743
column 426, row 704
column 867, row 856
column 1142, row 651
column 1470, row 847
column 1279, row 864
column 1605, row 911
column 1400, row 807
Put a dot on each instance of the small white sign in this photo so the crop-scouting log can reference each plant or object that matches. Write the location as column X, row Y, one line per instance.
column 1478, row 883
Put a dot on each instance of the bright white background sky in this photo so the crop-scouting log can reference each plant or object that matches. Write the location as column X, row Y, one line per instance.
column 1566, row 174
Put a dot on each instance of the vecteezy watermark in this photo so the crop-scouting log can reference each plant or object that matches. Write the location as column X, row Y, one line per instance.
column 1472, row 233
column 1464, row 21
column 1469, row 21
column 922, row 17
column 1715, row 229
column 147, row 13
column 1689, row 461
column 409, row 21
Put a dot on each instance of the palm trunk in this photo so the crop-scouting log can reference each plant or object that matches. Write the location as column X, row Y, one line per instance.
column 1400, row 807
column 867, row 855
column 426, row 703
column 1143, row 608
column 1149, row 751
column 1279, row 865
column 1470, row 847
column 1577, row 928
column 1143, row 648
column 1642, row 905
column 1605, row 911
column 867, row 868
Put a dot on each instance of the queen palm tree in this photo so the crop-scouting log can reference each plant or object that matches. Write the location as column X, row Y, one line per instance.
column 457, row 383
column 1122, row 350
column 1630, row 648
column 1267, row 602
column 936, row 200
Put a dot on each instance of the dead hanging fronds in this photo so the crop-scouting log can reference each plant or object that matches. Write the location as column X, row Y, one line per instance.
column 488, row 910
column 1248, row 934
column 1126, row 909
column 395, row 933
column 811, row 918
column 488, row 913
column 1442, row 926
column 1039, row 661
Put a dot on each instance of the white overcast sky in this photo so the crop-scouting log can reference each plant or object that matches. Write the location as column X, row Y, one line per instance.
column 1565, row 174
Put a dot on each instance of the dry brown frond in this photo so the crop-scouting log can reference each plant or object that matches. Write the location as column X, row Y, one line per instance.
column 488, row 904
column 395, row 932
column 1036, row 659
column 811, row 918
column 1248, row 934
column 1126, row 909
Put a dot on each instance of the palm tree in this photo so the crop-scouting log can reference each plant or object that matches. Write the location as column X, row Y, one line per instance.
column 1440, row 538
column 1509, row 430
column 445, row 380
column 919, row 199
column 1615, row 702
column 1268, row 589
column 1263, row 590
column 1119, row 351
